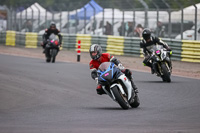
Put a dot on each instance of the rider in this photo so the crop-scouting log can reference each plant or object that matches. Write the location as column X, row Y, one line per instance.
column 97, row 58
column 146, row 44
column 48, row 32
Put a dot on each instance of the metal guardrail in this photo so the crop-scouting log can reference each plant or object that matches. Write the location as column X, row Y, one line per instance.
column 132, row 46
column 176, row 46
column 190, row 51
column 2, row 37
column 20, row 39
column 129, row 46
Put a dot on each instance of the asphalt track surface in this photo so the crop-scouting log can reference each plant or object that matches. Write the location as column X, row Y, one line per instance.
column 40, row 97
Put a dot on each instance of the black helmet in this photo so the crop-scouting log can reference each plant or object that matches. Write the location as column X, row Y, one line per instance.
column 53, row 24
column 146, row 34
column 97, row 49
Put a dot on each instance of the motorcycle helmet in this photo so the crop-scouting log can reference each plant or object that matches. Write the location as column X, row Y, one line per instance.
column 52, row 25
column 146, row 34
column 95, row 48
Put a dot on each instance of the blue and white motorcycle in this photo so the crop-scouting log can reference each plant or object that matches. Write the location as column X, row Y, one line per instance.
column 117, row 85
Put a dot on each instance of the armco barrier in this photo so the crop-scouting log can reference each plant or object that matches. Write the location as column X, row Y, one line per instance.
column 10, row 38
column 115, row 45
column 132, row 46
column 69, row 41
column 20, row 39
column 85, row 41
column 2, row 37
column 182, row 50
column 190, row 51
column 31, row 40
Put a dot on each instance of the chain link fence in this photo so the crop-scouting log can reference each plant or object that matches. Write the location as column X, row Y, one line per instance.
column 182, row 23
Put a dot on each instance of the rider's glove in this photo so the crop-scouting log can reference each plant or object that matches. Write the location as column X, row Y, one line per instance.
column 60, row 44
column 120, row 66
column 94, row 74
column 168, row 49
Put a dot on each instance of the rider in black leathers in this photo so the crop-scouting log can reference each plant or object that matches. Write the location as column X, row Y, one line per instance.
column 48, row 32
column 146, row 44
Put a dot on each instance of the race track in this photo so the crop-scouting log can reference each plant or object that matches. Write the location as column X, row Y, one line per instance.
column 40, row 97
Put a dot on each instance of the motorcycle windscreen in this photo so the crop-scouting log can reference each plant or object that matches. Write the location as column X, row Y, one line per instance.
column 106, row 72
column 53, row 37
column 104, row 66
column 154, row 48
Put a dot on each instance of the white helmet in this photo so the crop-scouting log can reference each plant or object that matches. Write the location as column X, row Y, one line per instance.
column 97, row 49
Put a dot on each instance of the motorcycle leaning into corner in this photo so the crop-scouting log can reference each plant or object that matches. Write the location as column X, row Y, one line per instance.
column 161, row 62
column 52, row 48
column 117, row 85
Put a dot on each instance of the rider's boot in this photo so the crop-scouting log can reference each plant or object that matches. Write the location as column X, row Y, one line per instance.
column 152, row 70
column 170, row 64
column 134, row 87
column 128, row 74
column 100, row 90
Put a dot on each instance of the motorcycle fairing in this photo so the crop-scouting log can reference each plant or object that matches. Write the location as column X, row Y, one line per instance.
column 107, row 73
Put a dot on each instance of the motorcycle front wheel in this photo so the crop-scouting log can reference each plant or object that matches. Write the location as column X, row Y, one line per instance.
column 120, row 98
column 53, row 55
column 47, row 54
column 166, row 73
column 136, row 102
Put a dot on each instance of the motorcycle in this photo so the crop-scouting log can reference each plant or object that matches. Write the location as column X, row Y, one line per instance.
column 52, row 48
column 117, row 85
column 161, row 62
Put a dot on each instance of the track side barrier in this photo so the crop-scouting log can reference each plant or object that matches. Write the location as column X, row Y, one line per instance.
column 20, row 39
column 31, row 40
column 10, row 38
column 115, row 45
column 132, row 46
column 2, row 37
column 69, row 41
column 85, row 41
column 183, row 50
column 190, row 51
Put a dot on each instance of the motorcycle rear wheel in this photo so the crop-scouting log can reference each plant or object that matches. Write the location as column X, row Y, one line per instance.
column 123, row 102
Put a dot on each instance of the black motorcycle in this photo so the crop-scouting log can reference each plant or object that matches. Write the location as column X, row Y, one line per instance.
column 161, row 62
column 52, row 48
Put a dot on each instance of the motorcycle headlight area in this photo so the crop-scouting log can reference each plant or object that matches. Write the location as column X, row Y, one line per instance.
column 157, row 59
column 163, row 56
column 158, row 52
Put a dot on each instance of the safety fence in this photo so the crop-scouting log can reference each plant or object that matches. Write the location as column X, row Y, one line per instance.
column 129, row 46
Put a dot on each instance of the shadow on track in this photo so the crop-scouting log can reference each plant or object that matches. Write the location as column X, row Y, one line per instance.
column 161, row 82
column 108, row 108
